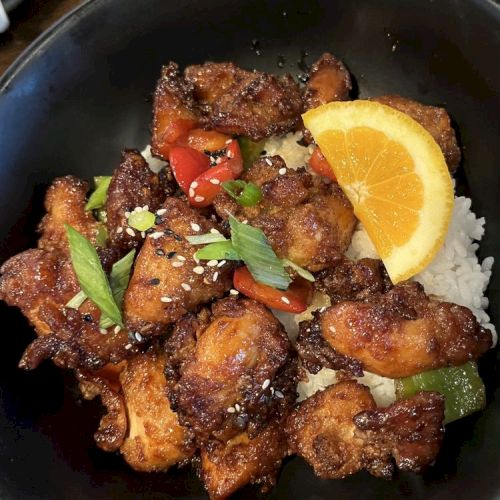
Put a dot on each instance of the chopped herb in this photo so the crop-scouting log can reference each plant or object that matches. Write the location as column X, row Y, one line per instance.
column 203, row 239
column 90, row 274
column 246, row 194
column 77, row 300
column 98, row 197
column 102, row 236
column 142, row 220
column 299, row 270
column 218, row 251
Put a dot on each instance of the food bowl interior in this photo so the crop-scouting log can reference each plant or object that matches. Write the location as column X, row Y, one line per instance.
column 82, row 93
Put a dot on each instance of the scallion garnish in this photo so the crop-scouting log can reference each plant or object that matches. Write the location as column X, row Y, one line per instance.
column 250, row 150
column 203, row 239
column 221, row 250
column 252, row 245
column 118, row 281
column 98, row 197
column 90, row 274
column 299, row 270
column 102, row 235
column 246, row 194
column 142, row 220
column 77, row 300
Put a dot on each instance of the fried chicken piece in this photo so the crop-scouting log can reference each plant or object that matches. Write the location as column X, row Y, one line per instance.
column 155, row 439
column 305, row 219
column 240, row 102
column 353, row 280
column 435, row 120
column 164, row 286
column 403, row 332
column 328, row 81
column 339, row 431
column 226, row 467
column 113, row 424
column 316, row 353
column 174, row 110
column 65, row 204
column 242, row 373
column 133, row 185
column 40, row 283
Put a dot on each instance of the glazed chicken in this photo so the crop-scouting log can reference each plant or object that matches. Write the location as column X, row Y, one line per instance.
column 340, row 431
column 403, row 332
column 133, row 185
column 241, row 372
column 167, row 281
column 305, row 219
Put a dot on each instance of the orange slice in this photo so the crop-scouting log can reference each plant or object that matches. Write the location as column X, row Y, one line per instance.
column 395, row 176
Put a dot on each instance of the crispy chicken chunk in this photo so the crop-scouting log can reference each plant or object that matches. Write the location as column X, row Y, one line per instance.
column 174, row 110
column 165, row 283
column 240, row 102
column 40, row 283
column 155, row 439
column 226, row 467
column 328, row 81
column 65, row 204
column 339, row 431
column 403, row 332
column 353, row 280
column 241, row 374
column 435, row 120
column 133, row 185
column 305, row 219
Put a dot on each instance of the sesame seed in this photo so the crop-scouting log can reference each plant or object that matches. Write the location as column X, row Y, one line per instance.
column 214, row 231
column 229, row 141
column 127, row 214
column 285, row 299
column 237, row 407
column 143, row 234
column 186, row 287
column 119, row 230
column 154, row 281
column 194, row 185
column 272, row 390
column 212, row 263
column 130, row 231
column 332, row 329
column 216, row 275
column 279, row 394
column 171, row 255
column 159, row 252
column 128, row 346
column 103, row 331
column 138, row 336
column 244, row 221
column 323, row 309
column 191, row 192
column 156, row 235
column 215, row 181
column 177, row 263
column 218, row 160
column 138, row 209
column 166, row 299
column 199, row 199
column 266, row 383
column 117, row 328
column 196, row 259
column 161, row 211
column 231, row 410
column 282, row 171
column 221, row 263
column 145, row 208
column 198, row 270
column 233, row 292
column 230, row 154
column 181, row 257
column 206, row 281
column 195, row 227
column 269, row 162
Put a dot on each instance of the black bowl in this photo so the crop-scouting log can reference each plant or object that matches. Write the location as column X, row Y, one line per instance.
column 82, row 92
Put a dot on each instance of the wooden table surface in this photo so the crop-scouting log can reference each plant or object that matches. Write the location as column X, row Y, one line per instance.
column 27, row 21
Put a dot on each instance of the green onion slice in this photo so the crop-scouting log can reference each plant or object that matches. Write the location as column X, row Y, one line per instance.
column 246, row 194
column 98, row 197
column 299, row 270
column 461, row 386
column 91, row 275
column 77, row 300
column 255, row 251
column 118, row 280
column 142, row 220
column 221, row 250
column 102, row 235
column 250, row 150
column 203, row 239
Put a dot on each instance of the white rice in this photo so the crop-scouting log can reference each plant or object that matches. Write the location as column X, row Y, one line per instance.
column 294, row 155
